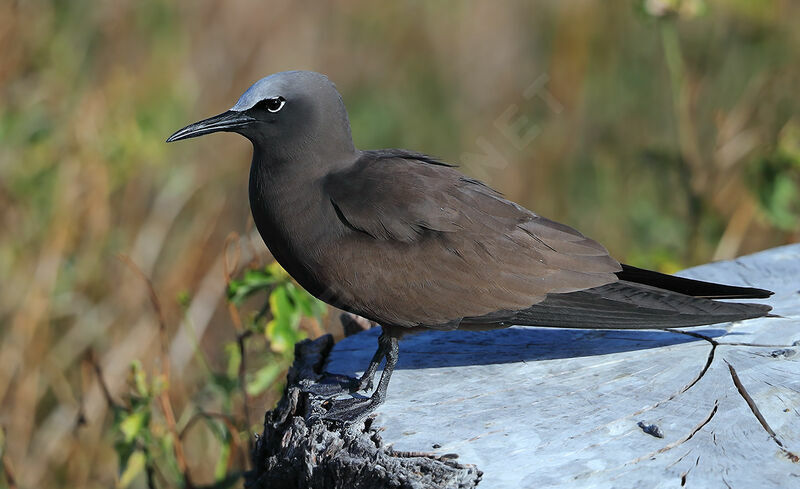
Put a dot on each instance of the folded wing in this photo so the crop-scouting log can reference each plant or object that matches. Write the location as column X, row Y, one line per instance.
column 460, row 247
column 436, row 249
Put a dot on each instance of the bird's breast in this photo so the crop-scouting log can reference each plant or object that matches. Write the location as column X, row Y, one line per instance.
column 292, row 221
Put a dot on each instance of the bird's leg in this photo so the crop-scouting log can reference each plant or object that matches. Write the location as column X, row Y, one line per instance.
column 365, row 382
column 335, row 384
column 351, row 410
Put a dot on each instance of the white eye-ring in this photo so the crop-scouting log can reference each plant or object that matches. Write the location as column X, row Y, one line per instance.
column 274, row 104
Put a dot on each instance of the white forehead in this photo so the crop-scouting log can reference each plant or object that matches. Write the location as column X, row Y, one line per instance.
column 279, row 85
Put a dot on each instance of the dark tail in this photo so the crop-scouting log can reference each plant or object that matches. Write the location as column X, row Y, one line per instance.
column 627, row 305
column 694, row 288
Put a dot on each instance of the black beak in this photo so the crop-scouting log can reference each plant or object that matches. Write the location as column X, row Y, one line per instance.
column 227, row 121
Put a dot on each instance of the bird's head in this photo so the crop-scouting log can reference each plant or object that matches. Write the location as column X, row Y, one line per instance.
column 284, row 113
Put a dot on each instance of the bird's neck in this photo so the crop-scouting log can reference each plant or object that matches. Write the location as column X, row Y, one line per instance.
column 291, row 212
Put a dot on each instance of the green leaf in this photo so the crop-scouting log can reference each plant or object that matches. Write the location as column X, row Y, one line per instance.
column 784, row 203
column 282, row 330
column 139, row 379
column 184, row 299
column 222, row 462
column 308, row 305
column 280, row 304
column 775, row 180
column 262, row 379
column 132, row 468
column 165, row 455
column 276, row 270
column 789, row 141
column 132, row 424
column 234, row 360
column 253, row 281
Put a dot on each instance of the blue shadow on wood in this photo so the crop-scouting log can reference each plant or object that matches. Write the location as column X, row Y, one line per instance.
column 434, row 349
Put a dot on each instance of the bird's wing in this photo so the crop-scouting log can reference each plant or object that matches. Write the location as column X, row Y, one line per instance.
column 624, row 305
column 460, row 249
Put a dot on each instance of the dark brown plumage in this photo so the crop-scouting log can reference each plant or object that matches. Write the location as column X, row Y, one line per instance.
column 409, row 242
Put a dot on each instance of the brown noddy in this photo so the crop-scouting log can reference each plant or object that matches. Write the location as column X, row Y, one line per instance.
column 410, row 242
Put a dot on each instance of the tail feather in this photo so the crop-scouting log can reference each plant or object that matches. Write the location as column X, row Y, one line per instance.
column 694, row 288
column 625, row 305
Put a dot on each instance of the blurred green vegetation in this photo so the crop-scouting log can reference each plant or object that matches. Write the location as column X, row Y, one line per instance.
column 148, row 441
column 666, row 129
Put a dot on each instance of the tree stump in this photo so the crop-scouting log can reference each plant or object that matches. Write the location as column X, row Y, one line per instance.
column 710, row 406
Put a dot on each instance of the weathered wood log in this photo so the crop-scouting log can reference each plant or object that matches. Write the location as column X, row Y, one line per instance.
column 298, row 450
column 713, row 406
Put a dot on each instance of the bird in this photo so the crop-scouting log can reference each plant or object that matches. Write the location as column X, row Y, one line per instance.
column 411, row 243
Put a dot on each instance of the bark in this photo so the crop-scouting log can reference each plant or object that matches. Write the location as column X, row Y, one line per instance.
column 299, row 450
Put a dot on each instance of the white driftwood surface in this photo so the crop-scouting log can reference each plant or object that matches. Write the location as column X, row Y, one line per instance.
column 541, row 407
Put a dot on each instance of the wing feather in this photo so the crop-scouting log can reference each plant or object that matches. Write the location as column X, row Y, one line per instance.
column 435, row 247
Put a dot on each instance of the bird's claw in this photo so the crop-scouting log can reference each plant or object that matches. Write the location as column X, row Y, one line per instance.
column 364, row 386
column 332, row 385
column 350, row 410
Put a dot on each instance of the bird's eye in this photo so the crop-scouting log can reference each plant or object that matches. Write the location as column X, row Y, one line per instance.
column 274, row 104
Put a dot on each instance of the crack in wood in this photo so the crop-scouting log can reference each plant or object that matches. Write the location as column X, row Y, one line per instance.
column 685, row 475
column 709, row 361
column 751, row 403
column 679, row 459
column 682, row 390
column 758, row 345
column 680, row 441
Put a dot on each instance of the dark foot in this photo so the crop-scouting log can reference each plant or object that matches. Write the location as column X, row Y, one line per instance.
column 350, row 410
column 332, row 385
